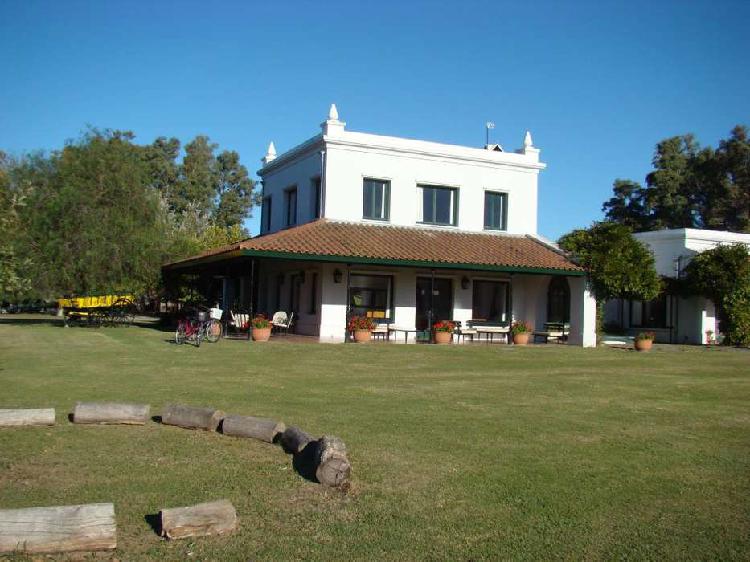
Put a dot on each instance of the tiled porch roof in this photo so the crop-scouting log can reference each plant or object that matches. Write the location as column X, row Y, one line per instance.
column 359, row 243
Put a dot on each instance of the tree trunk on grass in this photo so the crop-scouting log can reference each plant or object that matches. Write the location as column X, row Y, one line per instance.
column 11, row 418
column 58, row 529
column 191, row 417
column 249, row 426
column 293, row 440
column 213, row 518
column 104, row 413
column 333, row 468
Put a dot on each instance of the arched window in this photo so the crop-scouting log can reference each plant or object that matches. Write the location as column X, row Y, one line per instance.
column 558, row 300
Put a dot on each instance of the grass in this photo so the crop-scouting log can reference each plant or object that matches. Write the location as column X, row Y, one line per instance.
column 459, row 453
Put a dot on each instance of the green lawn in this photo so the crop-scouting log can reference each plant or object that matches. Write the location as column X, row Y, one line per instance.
column 460, row 452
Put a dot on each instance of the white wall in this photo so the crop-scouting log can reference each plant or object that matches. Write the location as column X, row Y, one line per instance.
column 348, row 166
column 582, row 313
column 351, row 157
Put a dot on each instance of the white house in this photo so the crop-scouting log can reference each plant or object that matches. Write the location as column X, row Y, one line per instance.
column 672, row 318
column 405, row 231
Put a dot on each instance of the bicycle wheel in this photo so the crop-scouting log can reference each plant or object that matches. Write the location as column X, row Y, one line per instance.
column 212, row 331
column 179, row 335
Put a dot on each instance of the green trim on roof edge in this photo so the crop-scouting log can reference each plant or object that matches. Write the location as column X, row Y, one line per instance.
column 382, row 261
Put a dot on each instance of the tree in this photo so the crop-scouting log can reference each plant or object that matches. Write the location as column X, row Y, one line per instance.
column 235, row 190
column 198, row 183
column 14, row 265
column 689, row 187
column 618, row 265
column 93, row 226
column 722, row 274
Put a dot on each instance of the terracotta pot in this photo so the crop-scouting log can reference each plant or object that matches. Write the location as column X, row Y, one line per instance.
column 643, row 345
column 522, row 338
column 261, row 334
column 361, row 336
column 443, row 337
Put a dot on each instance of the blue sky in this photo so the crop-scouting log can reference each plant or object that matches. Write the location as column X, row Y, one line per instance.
column 597, row 83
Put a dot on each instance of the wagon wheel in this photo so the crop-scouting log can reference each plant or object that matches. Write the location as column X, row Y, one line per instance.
column 96, row 318
column 123, row 312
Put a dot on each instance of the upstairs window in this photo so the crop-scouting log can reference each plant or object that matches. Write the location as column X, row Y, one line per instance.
column 376, row 199
column 495, row 210
column 290, row 206
column 265, row 212
column 439, row 205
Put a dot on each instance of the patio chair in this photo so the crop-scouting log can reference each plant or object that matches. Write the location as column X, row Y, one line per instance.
column 239, row 322
column 281, row 321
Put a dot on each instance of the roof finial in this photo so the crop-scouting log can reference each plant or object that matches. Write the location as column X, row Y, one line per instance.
column 270, row 154
column 332, row 127
column 527, row 142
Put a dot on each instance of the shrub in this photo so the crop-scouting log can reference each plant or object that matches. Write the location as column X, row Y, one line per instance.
column 358, row 323
column 444, row 326
column 259, row 322
column 520, row 327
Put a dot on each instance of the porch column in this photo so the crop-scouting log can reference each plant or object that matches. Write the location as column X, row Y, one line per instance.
column 582, row 313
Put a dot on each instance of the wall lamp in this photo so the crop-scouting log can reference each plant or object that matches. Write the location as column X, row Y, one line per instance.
column 337, row 275
column 465, row 282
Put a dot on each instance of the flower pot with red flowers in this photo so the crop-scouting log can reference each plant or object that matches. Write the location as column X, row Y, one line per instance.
column 520, row 331
column 443, row 331
column 261, row 328
column 644, row 341
column 361, row 327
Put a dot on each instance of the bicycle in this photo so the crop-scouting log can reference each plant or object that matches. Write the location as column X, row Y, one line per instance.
column 189, row 330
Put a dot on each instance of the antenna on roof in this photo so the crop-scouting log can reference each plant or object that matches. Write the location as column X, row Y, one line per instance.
column 489, row 125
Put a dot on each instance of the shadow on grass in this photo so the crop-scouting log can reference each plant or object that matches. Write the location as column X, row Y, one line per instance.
column 154, row 521
column 13, row 320
column 304, row 462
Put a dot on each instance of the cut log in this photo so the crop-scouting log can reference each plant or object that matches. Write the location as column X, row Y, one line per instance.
column 213, row 518
column 108, row 412
column 191, row 417
column 332, row 466
column 249, row 426
column 11, row 418
column 58, row 529
column 293, row 440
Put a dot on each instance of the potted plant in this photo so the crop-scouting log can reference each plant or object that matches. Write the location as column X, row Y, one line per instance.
column 520, row 331
column 261, row 328
column 644, row 341
column 443, row 331
column 361, row 326
column 710, row 337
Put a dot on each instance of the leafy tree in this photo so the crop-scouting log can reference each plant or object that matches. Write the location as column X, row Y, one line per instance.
column 14, row 265
column 618, row 265
column 235, row 190
column 199, row 179
column 689, row 187
column 94, row 225
column 163, row 170
column 722, row 274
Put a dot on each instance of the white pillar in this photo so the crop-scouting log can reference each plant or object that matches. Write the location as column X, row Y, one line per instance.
column 582, row 313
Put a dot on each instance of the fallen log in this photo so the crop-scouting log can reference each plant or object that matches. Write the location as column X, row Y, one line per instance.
column 109, row 412
column 191, row 417
column 12, row 418
column 293, row 440
column 332, row 465
column 58, row 529
column 249, row 426
column 213, row 518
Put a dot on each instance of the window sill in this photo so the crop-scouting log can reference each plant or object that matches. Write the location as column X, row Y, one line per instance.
column 441, row 224
column 495, row 229
column 373, row 219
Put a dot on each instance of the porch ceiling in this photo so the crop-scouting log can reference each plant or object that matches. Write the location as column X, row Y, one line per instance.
column 345, row 242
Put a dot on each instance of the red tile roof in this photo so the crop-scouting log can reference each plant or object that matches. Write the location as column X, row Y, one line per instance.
column 361, row 241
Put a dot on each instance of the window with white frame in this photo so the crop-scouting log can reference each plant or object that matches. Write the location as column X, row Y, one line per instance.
column 439, row 205
column 495, row 210
column 376, row 199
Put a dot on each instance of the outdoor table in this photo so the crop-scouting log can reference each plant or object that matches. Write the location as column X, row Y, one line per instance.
column 490, row 331
column 406, row 332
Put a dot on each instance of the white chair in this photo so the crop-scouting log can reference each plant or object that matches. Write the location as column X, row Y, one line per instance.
column 240, row 322
column 281, row 321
